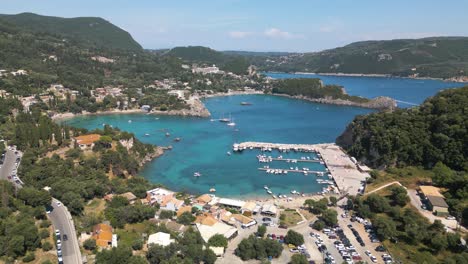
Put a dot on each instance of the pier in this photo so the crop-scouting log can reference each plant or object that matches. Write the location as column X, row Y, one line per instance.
column 343, row 169
column 271, row 146
column 289, row 170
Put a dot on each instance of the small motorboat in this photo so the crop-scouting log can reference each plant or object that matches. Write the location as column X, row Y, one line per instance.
column 197, row 174
column 176, row 139
column 147, row 135
column 167, row 134
column 228, row 153
column 265, row 187
column 212, row 190
column 245, row 103
column 130, row 121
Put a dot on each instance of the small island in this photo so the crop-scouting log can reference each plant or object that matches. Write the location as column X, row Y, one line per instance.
column 313, row 89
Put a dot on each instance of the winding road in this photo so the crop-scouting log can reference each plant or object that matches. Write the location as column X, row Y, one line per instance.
column 59, row 215
column 62, row 220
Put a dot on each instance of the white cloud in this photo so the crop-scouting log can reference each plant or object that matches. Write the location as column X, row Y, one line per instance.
column 240, row 34
column 277, row 33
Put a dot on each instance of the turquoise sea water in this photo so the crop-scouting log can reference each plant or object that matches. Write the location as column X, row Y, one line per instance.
column 407, row 91
column 205, row 143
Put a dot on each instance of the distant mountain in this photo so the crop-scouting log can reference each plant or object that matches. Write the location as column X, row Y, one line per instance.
column 198, row 54
column 442, row 57
column 257, row 53
column 93, row 31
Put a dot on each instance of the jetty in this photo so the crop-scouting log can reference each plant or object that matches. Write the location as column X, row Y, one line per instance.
column 344, row 169
column 289, row 170
column 270, row 146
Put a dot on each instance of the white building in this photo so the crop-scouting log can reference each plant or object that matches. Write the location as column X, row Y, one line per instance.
column 231, row 203
column 179, row 93
column 160, row 238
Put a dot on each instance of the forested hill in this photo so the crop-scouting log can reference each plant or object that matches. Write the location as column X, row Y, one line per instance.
column 198, row 54
column 94, row 31
column 436, row 131
column 48, row 59
column 441, row 57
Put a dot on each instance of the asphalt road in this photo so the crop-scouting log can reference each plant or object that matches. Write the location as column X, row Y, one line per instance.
column 60, row 217
column 8, row 166
column 61, row 220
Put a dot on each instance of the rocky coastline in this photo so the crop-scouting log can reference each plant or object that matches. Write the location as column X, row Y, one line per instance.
column 459, row 79
column 380, row 103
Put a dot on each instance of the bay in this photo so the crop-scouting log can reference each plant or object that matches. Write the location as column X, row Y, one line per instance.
column 205, row 143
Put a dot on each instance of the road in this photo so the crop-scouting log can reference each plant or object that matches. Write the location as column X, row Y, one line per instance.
column 384, row 186
column 8, row 166
column 62, row 220
column 60, row 217
column 416, row 202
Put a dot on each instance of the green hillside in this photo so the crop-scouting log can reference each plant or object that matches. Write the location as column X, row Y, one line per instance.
column 94, row 31
column 198, row 54
column 442, row 57
column 49, row 59
column 434, row 132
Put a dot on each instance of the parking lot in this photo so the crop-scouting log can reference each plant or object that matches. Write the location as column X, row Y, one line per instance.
column 352, row 240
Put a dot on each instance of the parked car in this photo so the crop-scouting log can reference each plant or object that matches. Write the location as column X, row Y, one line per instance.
column 451, row 217
column 380, row 248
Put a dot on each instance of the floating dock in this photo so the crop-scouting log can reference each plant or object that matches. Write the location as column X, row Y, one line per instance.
column 343, row 169
column 270, row 146
column 289, row 170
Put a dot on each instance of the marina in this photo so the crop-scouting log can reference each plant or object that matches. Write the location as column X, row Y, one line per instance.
column 342, row 169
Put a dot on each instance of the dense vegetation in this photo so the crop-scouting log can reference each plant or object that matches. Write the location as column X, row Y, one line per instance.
column 312, row 88
column 197, row 54
column 21, row 219
column 435, row 131
column 258, row 248
column 93, row 31
column 73, row 65
column 442, row 57
column 406, row 232
column 433, row 135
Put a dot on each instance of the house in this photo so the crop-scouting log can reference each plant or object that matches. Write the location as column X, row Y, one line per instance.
column 269, row 209
column 203, row 199
column 207, row 70
column 87, row 141
column 249, row 208
column 160, row 238
column 130, row 197
column 157, row 195
column 435, row 199
column 231, row 203
column 102, row 233
column 178, row 93
column 208, row 226
column 184, row 209
column 171, row 203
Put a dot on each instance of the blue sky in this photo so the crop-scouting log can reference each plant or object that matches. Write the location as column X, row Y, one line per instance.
column 257, row 25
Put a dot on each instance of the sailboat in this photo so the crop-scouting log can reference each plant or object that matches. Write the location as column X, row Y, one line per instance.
column 224, row 120
column 231, row 123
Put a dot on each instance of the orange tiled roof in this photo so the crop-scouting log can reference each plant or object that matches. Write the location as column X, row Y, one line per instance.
column 205, row 198
column 183, row 210
column 102, row 233
column 206, row 219
column 87, row 139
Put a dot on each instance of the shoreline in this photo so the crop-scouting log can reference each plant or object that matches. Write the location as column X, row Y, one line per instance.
column 371, row 104
column 232, row 93
column 377, row 75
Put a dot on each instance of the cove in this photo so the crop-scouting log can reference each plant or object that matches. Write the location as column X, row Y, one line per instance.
column 204, row 144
